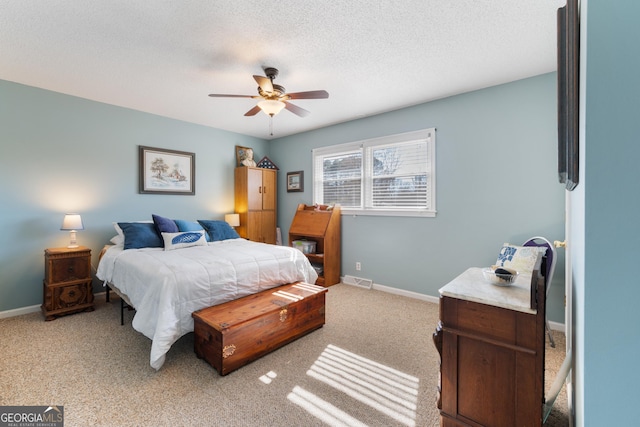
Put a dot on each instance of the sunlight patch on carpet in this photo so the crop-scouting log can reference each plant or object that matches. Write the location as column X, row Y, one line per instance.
column 268, row 377
column 387, row 390
column 322, row 409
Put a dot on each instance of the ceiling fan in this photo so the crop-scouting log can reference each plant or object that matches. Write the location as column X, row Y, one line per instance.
column 274, row 97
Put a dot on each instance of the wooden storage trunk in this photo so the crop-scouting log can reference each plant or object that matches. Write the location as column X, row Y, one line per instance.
column 235, row 333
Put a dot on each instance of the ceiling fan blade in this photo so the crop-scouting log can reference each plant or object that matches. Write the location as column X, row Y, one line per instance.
column 255, row 110
column 264, row 83
column 312, row 94
column 295, row 109
column 222, row 95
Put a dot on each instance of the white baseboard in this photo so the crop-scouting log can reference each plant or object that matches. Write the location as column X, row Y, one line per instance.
column 410, row 294
column 401, row 292
column 404, row 293
column 19, row 311
column 34, row 308
column 555, row 326
column 416, row 295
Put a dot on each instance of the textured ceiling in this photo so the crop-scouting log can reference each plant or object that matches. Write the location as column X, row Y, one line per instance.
column 165, row 56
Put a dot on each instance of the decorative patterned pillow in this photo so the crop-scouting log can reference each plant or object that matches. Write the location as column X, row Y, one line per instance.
column 523, row 259
column 140, row 235
column 218, row 230
column 183, row 239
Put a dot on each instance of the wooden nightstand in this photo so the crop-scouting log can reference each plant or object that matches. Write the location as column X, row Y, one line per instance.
column 67, row 281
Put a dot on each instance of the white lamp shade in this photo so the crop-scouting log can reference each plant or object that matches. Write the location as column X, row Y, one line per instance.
column 271, row 107
column 72, row 221
column 232, row 219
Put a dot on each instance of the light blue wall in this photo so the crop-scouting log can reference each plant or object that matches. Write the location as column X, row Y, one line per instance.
column 496, row 182
column 606, row 284
column 60, row 153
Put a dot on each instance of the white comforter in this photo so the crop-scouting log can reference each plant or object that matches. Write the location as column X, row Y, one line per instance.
column 165, row 287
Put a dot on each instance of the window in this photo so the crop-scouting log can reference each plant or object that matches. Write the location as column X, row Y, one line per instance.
column 392, row 175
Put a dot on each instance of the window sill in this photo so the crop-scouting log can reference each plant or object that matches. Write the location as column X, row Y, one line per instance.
column 381, row 212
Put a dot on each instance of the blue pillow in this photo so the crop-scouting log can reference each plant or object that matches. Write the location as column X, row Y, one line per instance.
column 191, row 226
column 164, row 225
column 218, row 230
column 140, row 235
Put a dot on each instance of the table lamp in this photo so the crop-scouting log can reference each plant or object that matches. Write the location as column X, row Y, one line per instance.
column 72, row 222
column 232, row 219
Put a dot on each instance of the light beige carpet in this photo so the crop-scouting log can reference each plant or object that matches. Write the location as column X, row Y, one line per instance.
column 373, row 363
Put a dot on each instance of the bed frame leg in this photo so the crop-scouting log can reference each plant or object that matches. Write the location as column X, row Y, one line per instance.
column 121, row 312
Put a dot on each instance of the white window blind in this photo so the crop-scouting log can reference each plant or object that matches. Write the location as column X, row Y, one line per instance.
column 392, row 175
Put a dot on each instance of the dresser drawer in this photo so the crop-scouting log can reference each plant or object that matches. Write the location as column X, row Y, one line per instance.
column 67, row 296
column 65, row 270
column 67, row 267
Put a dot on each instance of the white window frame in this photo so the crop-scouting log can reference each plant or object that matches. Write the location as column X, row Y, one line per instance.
column 428, row 135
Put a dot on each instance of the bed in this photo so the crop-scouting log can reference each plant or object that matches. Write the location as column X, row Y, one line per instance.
column 166, row 286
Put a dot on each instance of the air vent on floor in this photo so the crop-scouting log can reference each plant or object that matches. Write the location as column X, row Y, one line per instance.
column 358, row 281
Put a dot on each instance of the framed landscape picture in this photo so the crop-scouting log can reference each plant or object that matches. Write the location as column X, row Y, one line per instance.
column 165, row 171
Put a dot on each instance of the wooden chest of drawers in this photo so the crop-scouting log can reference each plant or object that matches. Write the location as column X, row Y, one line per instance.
column 232, row 334
column 492, row 356
column 67, row 285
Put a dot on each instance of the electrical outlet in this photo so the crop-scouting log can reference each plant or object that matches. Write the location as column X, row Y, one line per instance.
column 358, row 266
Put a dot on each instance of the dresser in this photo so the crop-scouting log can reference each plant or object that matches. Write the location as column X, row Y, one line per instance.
column 67, row 284
column 491, row 341
column 255, row 202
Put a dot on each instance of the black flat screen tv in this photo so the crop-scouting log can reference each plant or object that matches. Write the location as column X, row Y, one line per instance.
column 568, row 94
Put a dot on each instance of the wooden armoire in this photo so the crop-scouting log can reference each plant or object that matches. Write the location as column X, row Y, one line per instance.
column 255, row 201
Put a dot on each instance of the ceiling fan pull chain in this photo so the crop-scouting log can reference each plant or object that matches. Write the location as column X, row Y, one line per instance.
column 271, row 125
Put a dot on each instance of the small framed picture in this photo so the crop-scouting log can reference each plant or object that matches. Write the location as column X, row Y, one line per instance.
column 295, row 181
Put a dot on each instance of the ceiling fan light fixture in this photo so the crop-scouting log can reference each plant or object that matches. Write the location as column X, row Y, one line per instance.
column 271, row 107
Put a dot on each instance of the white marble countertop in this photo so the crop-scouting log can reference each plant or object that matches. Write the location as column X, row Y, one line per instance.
column 472, row 286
